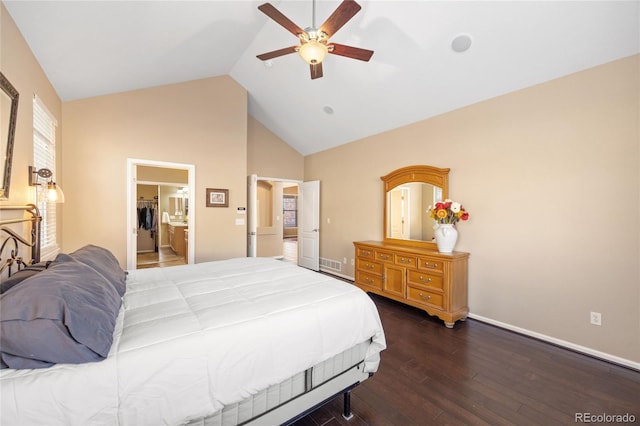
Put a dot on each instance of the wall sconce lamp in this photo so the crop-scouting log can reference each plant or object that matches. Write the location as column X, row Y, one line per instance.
column 50, row 192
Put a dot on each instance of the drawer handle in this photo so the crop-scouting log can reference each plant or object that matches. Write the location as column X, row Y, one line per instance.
column 422, row 296
column 428, row 280
column 369, row 266
column 405, row 260
column 430, row 265
column 368, row 280
column 384, row 256
column 366, row 253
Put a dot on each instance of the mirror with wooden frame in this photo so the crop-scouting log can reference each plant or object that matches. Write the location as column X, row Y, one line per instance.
column 8, row 118
column 408, row 194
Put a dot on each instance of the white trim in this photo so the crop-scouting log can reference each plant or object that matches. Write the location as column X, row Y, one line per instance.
column 41, row 104
column 332, row 272
column 279, row 179
column 132, row 164
column 155, row 182
column 50, row 254
column 559, row 342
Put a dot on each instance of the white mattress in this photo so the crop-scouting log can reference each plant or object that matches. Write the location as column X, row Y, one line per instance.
column 192, row 339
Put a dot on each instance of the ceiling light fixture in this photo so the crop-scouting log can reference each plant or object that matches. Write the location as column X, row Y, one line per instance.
column 313, row 52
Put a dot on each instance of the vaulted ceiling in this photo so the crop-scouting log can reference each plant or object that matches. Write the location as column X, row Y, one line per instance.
column 91, row 48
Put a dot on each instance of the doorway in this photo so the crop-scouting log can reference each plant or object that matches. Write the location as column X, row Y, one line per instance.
column 283, row 220
column 171, row 177
column 162, row 211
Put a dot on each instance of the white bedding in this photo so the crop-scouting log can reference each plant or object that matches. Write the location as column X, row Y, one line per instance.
column 191, row 339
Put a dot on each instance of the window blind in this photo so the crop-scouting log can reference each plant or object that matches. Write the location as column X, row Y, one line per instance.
column 44, row 156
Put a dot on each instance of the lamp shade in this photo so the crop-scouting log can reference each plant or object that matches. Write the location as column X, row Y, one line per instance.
column 51, row 193
column 313, row 52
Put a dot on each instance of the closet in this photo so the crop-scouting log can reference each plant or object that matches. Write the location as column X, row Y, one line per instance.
column 147, row 218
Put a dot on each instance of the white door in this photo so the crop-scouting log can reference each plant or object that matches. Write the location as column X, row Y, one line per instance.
column 252, row 215
column 398, row 213
column 309, row 225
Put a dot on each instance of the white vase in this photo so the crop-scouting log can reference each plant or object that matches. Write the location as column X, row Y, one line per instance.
column 446, row 237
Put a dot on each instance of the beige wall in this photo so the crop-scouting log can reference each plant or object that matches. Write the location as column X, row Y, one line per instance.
column 162, row 174
column 550, row 176
column 270, row 232
column 269, row 156
column 21, row 68
column 202, row 122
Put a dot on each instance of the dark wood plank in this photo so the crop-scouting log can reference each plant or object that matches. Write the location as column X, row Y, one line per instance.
column 478, row 374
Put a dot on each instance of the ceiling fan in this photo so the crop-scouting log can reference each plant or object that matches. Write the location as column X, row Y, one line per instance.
column 314, row 44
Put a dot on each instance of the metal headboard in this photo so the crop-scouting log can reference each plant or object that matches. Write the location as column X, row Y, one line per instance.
column 9, row 238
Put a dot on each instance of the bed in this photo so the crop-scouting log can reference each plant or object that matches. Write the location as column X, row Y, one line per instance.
column 238, row 341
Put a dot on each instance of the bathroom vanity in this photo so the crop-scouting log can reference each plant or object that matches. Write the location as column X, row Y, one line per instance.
column 177, row 238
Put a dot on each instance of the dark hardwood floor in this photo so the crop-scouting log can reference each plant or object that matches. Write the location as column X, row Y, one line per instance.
column 478, row 374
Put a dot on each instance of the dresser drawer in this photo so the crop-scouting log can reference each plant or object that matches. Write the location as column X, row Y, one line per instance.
column 426, row 297
column 430, row 264
column 405, row 260
column 425, row 279
column 365, row 253
column 368, row 280
column 384, row 256
column 416, row 275
column 366, row 265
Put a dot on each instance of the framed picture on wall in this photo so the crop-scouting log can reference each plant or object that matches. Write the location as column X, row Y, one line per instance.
column 217, row 197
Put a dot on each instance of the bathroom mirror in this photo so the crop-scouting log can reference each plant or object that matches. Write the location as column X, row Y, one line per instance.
column 8, row 118
column 408, row 193
column 176, row 206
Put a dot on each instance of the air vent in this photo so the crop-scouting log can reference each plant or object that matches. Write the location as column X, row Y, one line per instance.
column 334, row 265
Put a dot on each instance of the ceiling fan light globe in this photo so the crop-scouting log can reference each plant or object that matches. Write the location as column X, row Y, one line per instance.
column 313, row 52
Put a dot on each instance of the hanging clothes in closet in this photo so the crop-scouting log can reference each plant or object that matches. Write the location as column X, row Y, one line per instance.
column 147, row 212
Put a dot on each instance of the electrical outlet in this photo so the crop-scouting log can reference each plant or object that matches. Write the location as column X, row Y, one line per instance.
column 596, row 318
column 353, row 262
column 344, row 260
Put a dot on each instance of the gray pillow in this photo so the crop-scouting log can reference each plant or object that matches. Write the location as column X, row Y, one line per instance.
column 65, row 314
column 22, row 275
column 103, row 261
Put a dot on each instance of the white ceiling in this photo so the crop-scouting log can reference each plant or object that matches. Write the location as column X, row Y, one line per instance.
column 91, row 48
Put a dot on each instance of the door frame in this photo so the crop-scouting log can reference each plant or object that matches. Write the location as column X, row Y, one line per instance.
column 132, row 181
column 252, row 219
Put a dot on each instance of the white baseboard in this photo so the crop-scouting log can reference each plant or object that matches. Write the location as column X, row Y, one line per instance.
column 558, row 342
column 563, row 343
column 332, row 272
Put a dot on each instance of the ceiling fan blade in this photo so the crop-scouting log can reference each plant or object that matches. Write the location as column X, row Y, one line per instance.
column 316, row 70
column 273, row 13
column 340, row 16
column 276, row 53
column 350, row 52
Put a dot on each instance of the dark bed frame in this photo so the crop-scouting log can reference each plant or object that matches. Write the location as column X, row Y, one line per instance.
column 9, row 238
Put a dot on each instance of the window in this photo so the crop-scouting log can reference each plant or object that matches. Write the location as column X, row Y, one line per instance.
column 290, row 211
column 44, row 156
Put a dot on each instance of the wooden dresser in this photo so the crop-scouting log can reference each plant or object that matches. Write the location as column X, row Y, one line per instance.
column 420, row 277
